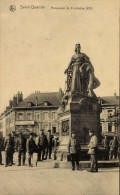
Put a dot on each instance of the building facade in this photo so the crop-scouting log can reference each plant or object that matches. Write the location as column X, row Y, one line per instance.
column 37, row 111
column 109, row 117
column 40, row 111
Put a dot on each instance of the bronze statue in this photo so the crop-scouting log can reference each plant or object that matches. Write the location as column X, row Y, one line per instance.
column 80, row 74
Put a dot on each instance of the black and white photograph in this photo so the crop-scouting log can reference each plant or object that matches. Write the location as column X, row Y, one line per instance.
column 59, row 97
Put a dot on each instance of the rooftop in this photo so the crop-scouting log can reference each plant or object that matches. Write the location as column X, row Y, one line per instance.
column 52, row 98
column 110, row 100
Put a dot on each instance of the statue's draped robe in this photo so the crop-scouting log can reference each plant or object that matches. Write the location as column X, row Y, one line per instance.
column 76, row 61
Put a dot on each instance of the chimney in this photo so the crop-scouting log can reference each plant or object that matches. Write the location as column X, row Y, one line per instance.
column 19, row 97
column 15, row 101
column 10, row 103
column 36, row 101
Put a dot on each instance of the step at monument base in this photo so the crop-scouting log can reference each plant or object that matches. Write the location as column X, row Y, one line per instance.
column 83, row 164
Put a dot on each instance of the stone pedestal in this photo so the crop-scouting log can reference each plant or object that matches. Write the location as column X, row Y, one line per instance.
column 80, row 114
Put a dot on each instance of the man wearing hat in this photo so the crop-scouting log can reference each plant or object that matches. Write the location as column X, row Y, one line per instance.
column 21, row 146
column 31, row 147
column 42, row 144
column 13, row 146
column 93, row 146
column 8, row 149
column 74, row 150
column 113, row 148
column 105, row 143
column 49, row 144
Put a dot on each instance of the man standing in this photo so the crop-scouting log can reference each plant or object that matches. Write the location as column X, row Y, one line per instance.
column 74, row 150
column 21, row 145
column 93, row 146
column 8, row 149
column 13, row 147
column 49, row 144
column 113, row 148
column 31, row 147
column 105, row 143
column 42, row 144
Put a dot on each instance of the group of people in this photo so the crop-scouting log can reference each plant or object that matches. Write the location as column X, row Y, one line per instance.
column 45, row 144
column 74, row 151
column 43, row 147
column 112, row 147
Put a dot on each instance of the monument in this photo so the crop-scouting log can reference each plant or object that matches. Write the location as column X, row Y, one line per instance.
column 79, row 110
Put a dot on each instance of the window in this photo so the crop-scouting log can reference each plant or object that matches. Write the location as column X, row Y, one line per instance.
column 53, row 129
column 110, row 113
column 37, row 116
column 29, row 104
column 45, row 115
column 20, row 116
column 109, row 127
column 54, row 115
column 100, row 127
column 29, row 116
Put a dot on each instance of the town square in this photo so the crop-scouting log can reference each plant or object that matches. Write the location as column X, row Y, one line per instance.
column 59, row 98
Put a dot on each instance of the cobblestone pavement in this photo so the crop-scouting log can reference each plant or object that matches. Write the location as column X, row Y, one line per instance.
column 40, row 181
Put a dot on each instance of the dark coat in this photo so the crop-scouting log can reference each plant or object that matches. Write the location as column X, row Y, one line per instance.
column 8, row 144
column 13, row 144
column 73, row 146
column 31, row 146
column 42, row 141
column 21, row 144
column 49, row 140
column 1, row 144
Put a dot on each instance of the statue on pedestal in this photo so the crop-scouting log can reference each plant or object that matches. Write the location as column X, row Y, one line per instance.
column 80, row 74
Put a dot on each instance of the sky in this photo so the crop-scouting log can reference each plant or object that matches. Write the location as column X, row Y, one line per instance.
column 36, row 45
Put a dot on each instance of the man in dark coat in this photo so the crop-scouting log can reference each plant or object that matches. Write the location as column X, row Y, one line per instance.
column 31, row 148
column 49, row 144
column 13, row 146
column 21, row 146
column 8, row 149
column 42, row 144
column 113, row 148
column 93, row 149
column 74, row 150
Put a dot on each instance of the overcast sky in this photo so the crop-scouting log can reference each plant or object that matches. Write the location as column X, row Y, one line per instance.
column 37, row 45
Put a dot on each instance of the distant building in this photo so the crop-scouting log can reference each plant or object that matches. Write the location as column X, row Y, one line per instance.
column 109, row 117
column 37, row 111
column 40, row 110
